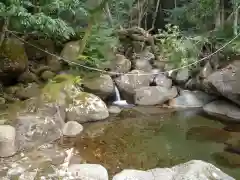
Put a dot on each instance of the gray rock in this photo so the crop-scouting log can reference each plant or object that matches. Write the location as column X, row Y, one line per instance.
column 72, row 129
column 142, row 64
column 101, row 86
column 223, row 110
column 121, row 64
column 30, row 91
column 162, row 80
column 88, row 172
column 114, row 110
column 206, row 71
column 188, row 99
column 54, row 63
column 192, row 170
column 154, row 73
column 71, row 50
column 8, row 146
column 36, row 129
column 129, row 82
column 46, row 75
column 154, row 95
column 146, row 55
column 183, row 75
column 87, row 107
column 226, row 81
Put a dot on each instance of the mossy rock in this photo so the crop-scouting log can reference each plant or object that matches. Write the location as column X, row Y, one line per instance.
column 61, row 87
column 13, row 59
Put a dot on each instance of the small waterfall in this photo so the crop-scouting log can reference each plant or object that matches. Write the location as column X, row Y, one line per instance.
column 117, row 94
column 118, row 101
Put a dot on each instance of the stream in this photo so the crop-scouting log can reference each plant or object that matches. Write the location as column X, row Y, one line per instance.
column 142, row 138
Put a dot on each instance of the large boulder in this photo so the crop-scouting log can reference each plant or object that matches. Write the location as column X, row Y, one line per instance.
column 13, row 59
column 190, row 99
column 102, row 86
column 35, row 129
column 223, row 110
column 79, row 106
column 87, row 107
column 194, row 170
column 154, row 95
column 128, row 83
column 226, row 81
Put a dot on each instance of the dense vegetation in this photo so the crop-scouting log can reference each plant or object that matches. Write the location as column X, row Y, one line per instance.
column 194, row 24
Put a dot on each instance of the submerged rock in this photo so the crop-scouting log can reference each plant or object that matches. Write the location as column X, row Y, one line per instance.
column 223, row 110
column 87, row 107
column 188, row 99
column 72, row 129
column 8, row 145
column 101, row 86
column 204, row 133
column 154, row 95
column 192, row 170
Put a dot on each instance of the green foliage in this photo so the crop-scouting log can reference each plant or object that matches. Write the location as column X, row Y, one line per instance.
column 100, row 45
column 179, row 49
column 41, row 18
column 197, row 15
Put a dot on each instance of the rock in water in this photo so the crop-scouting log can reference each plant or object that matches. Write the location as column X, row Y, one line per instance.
column 88, row 172
column 188, row 99
column 224, row 110
column 114, row 109
column 13, row 59
column 102, row 86
column 72, row 129
column 87, row 107
column 154, row 95
column 192, row 170
column 128, row 83
column 8, row 146
column 226, row 81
